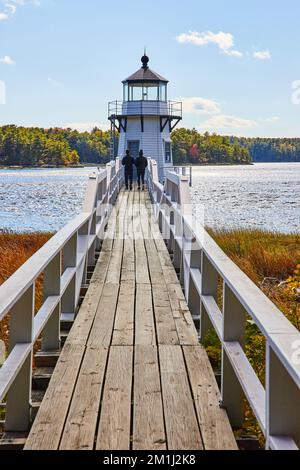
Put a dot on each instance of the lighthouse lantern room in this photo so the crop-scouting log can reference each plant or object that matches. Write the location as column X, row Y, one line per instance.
column 145, row 118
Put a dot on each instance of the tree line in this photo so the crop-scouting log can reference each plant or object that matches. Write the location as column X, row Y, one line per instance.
column 271, row 149
column 20, row 146
column 189, row 146
column 33, row 146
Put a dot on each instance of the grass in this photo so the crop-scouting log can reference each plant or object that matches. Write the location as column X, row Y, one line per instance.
column 271, row 260
column 15, row 249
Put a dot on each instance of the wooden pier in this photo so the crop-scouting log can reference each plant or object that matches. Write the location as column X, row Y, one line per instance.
column 132, row 374
column 131, row 289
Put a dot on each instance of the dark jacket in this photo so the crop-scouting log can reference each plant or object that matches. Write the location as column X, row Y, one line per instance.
column 141, row 163
column 128, row 162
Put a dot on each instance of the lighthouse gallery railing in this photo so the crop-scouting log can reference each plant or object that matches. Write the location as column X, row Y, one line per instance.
column 203, row 265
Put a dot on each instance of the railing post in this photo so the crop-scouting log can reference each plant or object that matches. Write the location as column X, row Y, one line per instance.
column 234, row 324
column 209, row 286
column 92, row 250
column 282, row 400
column 52, row 287
column 109, row 175
column 192, row 293
column 183, row 199
column 19, row 394
column 69, row 299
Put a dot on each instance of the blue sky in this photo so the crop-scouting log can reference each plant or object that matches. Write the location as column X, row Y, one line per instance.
column 232, row 63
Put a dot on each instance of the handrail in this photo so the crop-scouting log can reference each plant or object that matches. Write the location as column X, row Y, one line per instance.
column 202, row 264
column 64, row 261
column 149, row 107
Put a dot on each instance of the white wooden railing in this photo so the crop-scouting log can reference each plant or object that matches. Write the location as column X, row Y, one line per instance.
column 202, row 264
column 63, row 261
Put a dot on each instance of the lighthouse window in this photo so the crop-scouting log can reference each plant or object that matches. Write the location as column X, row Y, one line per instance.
column 145, row 91
column 136, row 93
column 150, row 92
column 168, row 152
column 125, row 97
column 163, row 92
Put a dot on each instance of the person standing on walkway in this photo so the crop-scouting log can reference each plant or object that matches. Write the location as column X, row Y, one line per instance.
column 128, row 163
column 141, row 164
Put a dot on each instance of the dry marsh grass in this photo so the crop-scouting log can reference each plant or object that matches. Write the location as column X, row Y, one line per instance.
column 15, row 250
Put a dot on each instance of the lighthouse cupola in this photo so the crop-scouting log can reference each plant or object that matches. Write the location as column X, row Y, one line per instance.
column 145, row 118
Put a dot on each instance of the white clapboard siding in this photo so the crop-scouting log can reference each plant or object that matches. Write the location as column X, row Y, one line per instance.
column 151, row 140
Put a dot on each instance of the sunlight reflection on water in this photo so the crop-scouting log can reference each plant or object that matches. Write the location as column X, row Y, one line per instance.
column 260, row 196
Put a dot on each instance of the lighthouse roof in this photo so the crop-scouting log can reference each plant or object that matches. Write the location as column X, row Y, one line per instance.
column 145, row 74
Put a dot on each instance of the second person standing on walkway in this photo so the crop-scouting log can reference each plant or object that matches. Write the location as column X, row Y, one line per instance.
column 141, row 164
column 128, row 163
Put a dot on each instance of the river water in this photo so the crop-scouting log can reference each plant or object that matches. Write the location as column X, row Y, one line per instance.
column 263, row 196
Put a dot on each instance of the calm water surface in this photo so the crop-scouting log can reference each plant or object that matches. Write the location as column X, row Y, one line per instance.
column 260, row 196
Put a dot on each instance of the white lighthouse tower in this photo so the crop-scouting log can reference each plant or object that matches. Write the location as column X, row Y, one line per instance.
column 145, row 118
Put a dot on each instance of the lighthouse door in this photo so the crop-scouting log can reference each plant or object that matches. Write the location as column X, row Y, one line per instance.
column 134, row 148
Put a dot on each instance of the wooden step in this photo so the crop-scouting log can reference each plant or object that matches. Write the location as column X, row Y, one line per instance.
column 37, row 396
column 41, row 378
column 63, row 337
column 84, row 290
column 46, row 358
column 66, row 321
column 13, row 441
column 35, row 406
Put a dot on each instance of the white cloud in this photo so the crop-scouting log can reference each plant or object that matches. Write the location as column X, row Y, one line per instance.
column 7, row 60
column 223, row 121
column 11, row 8
column 272, row 119
column 198, row 105
column 87, row 126
column 262, row 55
column 224, row 41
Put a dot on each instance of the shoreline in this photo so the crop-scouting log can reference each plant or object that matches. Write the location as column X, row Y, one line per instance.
column 99, row 165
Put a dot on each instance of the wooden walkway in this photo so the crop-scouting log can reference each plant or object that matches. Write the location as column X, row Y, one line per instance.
column 132, row 374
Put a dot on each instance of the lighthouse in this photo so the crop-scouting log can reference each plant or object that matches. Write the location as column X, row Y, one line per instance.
column 145, row 118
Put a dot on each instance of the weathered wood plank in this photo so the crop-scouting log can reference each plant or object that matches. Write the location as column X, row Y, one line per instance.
column 47, row 428
column 148, row 422
column 101, row 332
column 128, row 264
column 101, row 267
column 144, row 319
column 155, row 269
column 124, row 322
column 165, row 323
column 114, row 425
column 80, row 428
column 180, row 418
column 214, row 424
column 85, row 317
column 185, row 326
column 128, row 226
column 167, row 267
column 142, row 273
column 114, row 270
